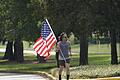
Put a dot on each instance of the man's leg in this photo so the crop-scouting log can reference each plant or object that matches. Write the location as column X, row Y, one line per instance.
column 60, row 71
column 67, row 65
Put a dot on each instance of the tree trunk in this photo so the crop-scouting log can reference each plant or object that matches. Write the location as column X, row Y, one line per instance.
column 114, row 59
column 18, row 51
column 57, row 58
column 3, row 41
column 83, row 49
column 9, row 51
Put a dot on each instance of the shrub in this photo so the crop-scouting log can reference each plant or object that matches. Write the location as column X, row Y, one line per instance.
column 91, row 71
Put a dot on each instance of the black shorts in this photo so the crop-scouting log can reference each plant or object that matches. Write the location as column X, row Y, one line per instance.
column 62, row 62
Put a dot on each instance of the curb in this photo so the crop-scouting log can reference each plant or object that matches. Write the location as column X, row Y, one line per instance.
column 109, row 78
column 48, row 75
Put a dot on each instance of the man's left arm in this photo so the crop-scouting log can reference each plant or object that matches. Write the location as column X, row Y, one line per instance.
column 70, row 49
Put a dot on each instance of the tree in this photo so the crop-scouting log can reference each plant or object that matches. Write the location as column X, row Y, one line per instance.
column 109, row 15
column 110, row 10
column 84, row 18
column 12, row 23
column 9, row 51
column 5, row 7
column 77, row 19
column 22, row 19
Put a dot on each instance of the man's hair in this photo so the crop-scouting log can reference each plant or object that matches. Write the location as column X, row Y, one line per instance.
column 61, row 36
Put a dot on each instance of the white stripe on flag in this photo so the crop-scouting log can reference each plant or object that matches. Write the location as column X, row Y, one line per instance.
column 49, row 36
column 40, row 40
column 42, row 48
column 44, row 52
column 51, row 44
column 37, row 48
column 49, row 41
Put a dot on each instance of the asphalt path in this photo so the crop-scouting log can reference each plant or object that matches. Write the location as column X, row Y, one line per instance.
column 28, row 51
column 18, row 76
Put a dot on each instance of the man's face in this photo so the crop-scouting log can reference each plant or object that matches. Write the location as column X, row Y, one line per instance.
column 64, row 38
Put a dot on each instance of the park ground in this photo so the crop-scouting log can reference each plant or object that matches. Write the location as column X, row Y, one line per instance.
column 99, row 64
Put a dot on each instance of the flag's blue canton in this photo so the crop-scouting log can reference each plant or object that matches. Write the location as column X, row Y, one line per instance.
column 45, row 30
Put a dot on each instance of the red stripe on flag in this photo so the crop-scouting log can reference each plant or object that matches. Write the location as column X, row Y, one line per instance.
column 43, row 47
column 51, row 46
column 49, row 37
column 38, row 45
column 47, row 40
column 52, row 39
column 38, row 41
column 45, row 52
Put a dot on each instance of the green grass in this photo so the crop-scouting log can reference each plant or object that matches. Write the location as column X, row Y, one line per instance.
column 51, row 62
column 25, row 44
column 95, row 48
column 99, row 64
column 2, row 46
column 1, row 54
column 91, row 71
column 99, row 58
column 103, row 48
column 27, row 66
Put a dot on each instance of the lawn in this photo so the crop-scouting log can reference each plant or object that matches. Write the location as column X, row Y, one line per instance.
column 99, row 64
column 51, row 62
column 95, row 48
column 91, row 71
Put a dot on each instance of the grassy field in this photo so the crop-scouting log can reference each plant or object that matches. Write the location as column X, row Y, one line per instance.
column 95, row 48
column 91, row 71
column 92, row 48
column 51, row 62
column 99, row 64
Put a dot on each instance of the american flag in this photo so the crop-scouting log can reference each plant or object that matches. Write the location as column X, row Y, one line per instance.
column 47, row 40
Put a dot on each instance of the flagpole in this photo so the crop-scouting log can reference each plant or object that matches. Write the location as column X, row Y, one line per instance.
column 62, row 55
column 56, row 39
column 51, row 28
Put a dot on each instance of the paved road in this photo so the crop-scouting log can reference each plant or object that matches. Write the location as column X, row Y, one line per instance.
column 25, row 51
column 17, row 76
column 30, row 52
